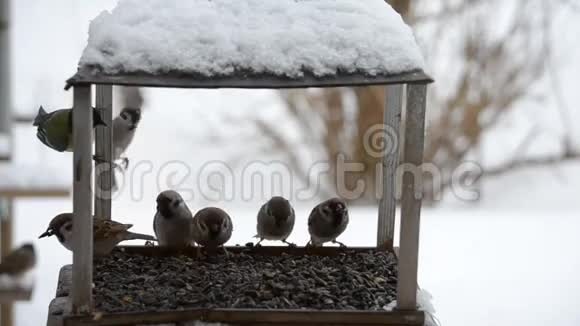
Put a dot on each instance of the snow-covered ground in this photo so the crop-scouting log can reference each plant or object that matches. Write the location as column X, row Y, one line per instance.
column 482, row 266
column 510, row 259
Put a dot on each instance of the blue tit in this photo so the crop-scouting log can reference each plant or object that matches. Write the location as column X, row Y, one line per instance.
column 55, row 128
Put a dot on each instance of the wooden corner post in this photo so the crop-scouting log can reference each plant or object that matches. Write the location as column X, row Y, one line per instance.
column 411, row 197
column 82, row 201
column 104, row 152
column 391, row 133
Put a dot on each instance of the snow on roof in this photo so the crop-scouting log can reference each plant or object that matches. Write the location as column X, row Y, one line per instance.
column 281, row 37
column 30, row 178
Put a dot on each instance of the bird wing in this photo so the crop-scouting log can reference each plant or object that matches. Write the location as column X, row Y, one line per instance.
column 311, row 217
column 57, row 130
column 103, row 229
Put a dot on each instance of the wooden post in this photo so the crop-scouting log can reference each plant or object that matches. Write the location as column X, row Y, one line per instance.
column 104, row 151
column 82, row 201
column 6, row 216
column 388, row 203
column 5, row 103
column 411, row 198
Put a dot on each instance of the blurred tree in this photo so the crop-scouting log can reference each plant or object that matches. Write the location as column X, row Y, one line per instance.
column 486, row 56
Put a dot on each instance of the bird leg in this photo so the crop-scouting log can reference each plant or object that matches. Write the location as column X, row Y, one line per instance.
column 200, row 255
column 258, row 244
column 125, row 163
column 342, row 245
column 226, row 252
column 100, row 159
column 309, row 243
column 290, row 244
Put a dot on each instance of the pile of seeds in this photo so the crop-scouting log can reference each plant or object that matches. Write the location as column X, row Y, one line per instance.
column 353, row 280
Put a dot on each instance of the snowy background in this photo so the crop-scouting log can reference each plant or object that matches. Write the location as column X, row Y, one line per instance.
column 510, row 259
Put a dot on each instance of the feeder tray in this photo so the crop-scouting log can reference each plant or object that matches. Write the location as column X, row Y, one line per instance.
column 125, row 282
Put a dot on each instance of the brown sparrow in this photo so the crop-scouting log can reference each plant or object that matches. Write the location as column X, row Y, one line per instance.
column 211, row 227
column 172, row 221
column 275, row 220
column 19, row 261
column 327, row 221
column 107, row 234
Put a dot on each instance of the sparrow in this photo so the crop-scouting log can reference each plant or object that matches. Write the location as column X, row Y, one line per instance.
column 54, row 129
column 124, row 127
column 172, row 221
column 107, row 234
column 19, row 261
column 211, row 227
column 275, row 220
column 327, row 221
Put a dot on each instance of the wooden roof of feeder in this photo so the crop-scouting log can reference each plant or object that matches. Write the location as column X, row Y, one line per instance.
column 250, row 44
column 91, row 75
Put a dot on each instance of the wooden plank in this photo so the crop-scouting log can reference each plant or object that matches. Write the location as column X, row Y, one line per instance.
column 158, row 251
column 411, row 198
column 89, row 75
column 82, row 201
column 104, row 151
column 388, row 203
column 5, row 82
column 32, row 192
column 6, row 298
column 256, row 317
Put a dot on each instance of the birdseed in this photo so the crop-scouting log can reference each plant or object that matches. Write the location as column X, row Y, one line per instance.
column 129, row 282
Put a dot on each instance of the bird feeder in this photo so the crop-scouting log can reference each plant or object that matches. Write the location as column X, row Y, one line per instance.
column 302, row 44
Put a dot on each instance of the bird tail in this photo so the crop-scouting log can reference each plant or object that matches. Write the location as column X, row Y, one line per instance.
column 40, row 117
column 140, row 236
column 98, row 118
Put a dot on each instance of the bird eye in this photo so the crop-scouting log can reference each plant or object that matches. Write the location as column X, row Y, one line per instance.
column 68, row 227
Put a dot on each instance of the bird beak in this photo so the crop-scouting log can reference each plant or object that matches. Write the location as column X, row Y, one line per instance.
column 45, row 234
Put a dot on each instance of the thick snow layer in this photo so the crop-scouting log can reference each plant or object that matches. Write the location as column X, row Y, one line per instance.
column 283, row 37
column 31, row 177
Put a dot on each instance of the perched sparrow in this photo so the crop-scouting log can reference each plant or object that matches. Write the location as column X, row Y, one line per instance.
column 275, row 220
column 172, row 222
column 55, row 128
column 124, row 127
column 19, row 261
column 106, row 233
column 327, row 221
column 211, row 227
